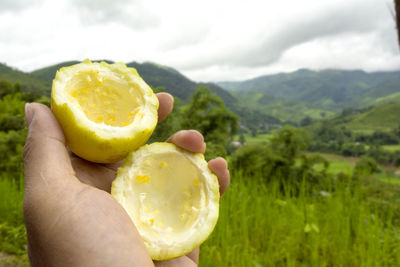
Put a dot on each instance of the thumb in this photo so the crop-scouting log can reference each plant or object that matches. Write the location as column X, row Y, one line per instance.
column 46, row 158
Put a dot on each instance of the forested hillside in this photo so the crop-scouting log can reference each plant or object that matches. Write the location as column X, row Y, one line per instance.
column 266, row 102
column 163, row 78
column 381, row 117
column 156, row 75
column 28, row 82
column 327, row 90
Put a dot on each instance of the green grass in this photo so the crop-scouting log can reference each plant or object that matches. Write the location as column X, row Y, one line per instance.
column 388, row 178
column 339, row 164
column 12, row 229
column 260, row 138
column 11, row 195
column 261, row 226
column 391, row 148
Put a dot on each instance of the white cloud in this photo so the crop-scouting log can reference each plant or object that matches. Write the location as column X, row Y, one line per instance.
column 126, row 12
column 206, row 40
column 17, row 5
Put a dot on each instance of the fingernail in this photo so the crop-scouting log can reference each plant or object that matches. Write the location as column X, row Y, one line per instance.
column 28, row 114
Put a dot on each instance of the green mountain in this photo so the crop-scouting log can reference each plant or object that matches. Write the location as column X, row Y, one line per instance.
column 48, row 73
column 382, row 117
column 173, row 82
column 28, row 82
column 330, row 90
column 387, row 91
column 156, row 76
column 265, row 101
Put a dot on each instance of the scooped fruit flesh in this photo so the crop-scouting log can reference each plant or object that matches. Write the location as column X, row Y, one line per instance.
column 169, row 183
column 171, row 196
column 105, row 110
column 105, row 100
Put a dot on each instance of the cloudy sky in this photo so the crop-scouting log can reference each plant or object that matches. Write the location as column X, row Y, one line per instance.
column 208, row 40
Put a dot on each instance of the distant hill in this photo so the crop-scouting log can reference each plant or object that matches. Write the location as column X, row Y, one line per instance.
column 386, row 91
column 161, row 76
column 155, row 75
column 330, row 90
column 49, row 72
column 29, row 82
column 382, row 117
column 261, row 102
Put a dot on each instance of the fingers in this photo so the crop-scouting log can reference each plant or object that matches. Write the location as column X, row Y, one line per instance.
column 193, row 141
column 190, row 140
column 220, row 167
column 45, row 155
column 166, row 104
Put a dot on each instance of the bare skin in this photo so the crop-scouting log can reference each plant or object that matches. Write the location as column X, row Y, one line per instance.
column 71, row 218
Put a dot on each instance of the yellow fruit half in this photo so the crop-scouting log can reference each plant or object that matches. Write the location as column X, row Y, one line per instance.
column 172, row 197
column 105, row 110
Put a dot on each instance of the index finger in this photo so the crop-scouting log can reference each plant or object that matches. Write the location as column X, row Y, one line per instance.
column 190, row 140
column 166, row 104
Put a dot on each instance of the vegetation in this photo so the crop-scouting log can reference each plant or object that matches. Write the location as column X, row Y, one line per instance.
column 261, row 225
column 269, row 218
column 338, row 135
column 208, row 114
column 323, row 194
column 28, row 82
column 329, row 89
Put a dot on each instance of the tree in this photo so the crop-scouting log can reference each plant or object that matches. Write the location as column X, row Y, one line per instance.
column 208, row 114
column 12, row 112
column 289, row 142
column 242, row 139
column 282, row 162
column 6, row 88
column 11, row 147
column 306, row 121
column 366, row 166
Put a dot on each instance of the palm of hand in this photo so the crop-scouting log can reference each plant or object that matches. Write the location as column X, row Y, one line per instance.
column 71, row 218
column 101, row 176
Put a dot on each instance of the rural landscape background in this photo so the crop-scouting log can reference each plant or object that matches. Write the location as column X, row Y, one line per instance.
column 314, row 158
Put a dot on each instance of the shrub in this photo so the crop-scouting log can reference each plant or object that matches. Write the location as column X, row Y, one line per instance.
column 366, row 166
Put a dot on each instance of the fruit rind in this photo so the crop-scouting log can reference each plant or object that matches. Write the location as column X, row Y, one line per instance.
column 99, row 142
column 207, row 218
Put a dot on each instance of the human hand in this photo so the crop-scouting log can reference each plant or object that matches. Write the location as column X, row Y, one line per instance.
column 71, row 218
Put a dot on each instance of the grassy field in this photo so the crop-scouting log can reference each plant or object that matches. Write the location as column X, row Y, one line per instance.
column 260, row 138
column 341, row 164
column 12, row 230
column 391, row 148
column 260, row 225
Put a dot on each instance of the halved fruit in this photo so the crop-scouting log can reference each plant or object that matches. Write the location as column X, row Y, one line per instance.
column 105, row 110
column 172, row 197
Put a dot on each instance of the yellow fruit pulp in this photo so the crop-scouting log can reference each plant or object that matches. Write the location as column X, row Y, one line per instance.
column 104, row 99
column 170, row 194
column 105, row 110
